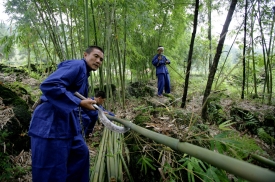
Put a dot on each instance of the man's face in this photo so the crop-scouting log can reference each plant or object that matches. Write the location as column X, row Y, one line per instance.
column 99, row 100
column 94, row 59
column 160, row 51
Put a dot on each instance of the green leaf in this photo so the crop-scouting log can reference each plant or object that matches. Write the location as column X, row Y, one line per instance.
column 190, row 175
column 224, row 125
column 145, row 162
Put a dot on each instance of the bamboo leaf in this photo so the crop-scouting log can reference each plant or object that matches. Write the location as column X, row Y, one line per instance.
column 226, row 124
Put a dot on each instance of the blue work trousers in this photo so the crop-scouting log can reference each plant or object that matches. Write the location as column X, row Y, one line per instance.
column 163, row 83
column 60, row 160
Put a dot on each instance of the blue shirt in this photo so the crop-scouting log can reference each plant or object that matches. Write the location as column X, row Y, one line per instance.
column 54, row 117
column 160, row 64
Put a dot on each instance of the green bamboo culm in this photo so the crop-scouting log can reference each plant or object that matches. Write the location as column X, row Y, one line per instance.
column 240, row 168
column 263, row 160
column 108, row 165
column 98, row 172
column 111, row 164
column 126, row 168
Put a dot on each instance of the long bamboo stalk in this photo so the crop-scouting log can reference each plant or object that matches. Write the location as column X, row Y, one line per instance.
column 120, row 141
column 126, row 168
column 115, row 148
column 240, row 168
column 101, row 153
column 111, row 159
column 102, row 172
column 263, row 160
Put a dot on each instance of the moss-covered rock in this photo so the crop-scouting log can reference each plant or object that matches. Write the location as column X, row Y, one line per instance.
column 269, row 118
column 14, row 131
column 140, row 89
column 265, row 136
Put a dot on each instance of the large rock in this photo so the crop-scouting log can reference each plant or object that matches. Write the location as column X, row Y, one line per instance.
column 15, row 117
column 140, row 89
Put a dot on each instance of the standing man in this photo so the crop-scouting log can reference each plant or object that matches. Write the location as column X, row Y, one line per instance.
column 59, row 152
column 160, row 61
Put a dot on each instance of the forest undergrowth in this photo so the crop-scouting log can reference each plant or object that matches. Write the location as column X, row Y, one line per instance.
column 233, row 128
column 237, row 128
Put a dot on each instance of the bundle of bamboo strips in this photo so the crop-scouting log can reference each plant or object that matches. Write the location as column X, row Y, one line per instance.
column 110, row 161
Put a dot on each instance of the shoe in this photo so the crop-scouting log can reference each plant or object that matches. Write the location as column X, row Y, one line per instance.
column 160, row 95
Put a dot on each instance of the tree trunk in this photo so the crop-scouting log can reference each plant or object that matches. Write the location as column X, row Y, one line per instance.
column 253, row 54
column 86, row 24
column 209, row 33
column 93, row 14
column 269, row 57
column 244, row 47
column 190, row 54
column 29, row 56
column 124, row 55
column 266, row 81
column 217, row 57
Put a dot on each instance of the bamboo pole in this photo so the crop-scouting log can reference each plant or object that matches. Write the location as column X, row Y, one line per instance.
column 240, row 168
column 97, row 171
column 102, row 173
column 111, row 165
column 119, row 155
column 126, row 168
column 263, row 160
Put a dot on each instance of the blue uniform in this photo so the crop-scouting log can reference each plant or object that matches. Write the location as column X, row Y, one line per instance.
column 89, row 119
column 162, row 73
column 59, row 152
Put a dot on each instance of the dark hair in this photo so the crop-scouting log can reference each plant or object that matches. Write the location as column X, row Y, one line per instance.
column 101, row 94
column 91, row 48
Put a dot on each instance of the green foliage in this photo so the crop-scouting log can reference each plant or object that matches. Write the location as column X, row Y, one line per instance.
column 181, row 117
column 5, row 167
column 8, row 170
column 143, row 108
column 229, row 142
column 140, row 119
column 13, row 138
column 145, row 163
column 171, row 172
column 205, row 172
column 35, row 75
column 245, row 120
column 265, row 136
column 224, row 125
column 215, row 113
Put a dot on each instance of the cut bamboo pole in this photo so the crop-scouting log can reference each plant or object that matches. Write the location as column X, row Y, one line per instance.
column 100, row 158
column 240, row 168
column 263, row 160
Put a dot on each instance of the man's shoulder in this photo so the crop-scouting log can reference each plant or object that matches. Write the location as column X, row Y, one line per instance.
column 73, row 62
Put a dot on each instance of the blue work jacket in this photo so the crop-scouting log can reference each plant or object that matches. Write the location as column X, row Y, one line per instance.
column 54, row 118
column 160, row 64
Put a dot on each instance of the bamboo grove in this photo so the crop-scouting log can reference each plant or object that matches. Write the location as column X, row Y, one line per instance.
column 48, row 32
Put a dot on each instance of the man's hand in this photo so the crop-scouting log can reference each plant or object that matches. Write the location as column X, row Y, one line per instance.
column 88, row 104
column 159, row 58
